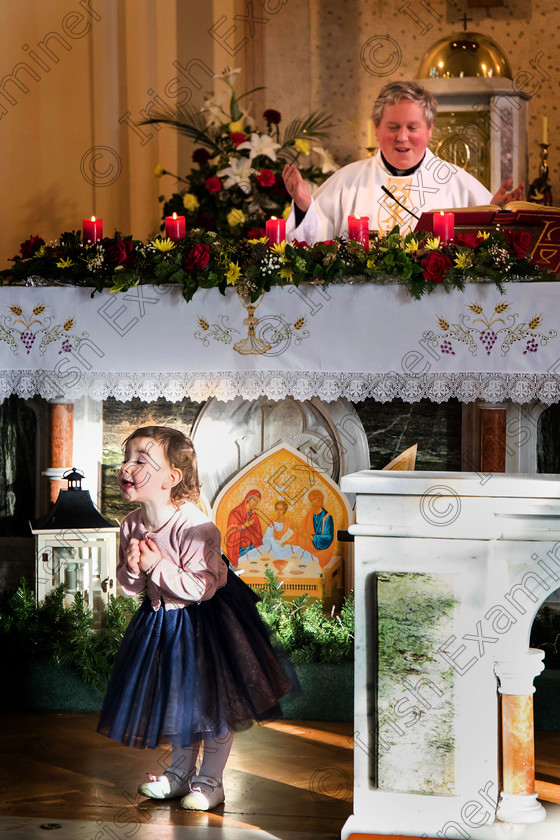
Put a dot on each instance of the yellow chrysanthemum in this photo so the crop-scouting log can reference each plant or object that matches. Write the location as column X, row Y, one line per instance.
column 41, row 252
column 64, row 263
column 190, row 202
column 163, row 245
column 235, row 126
column 159, row 171
column 463, row 261
column 371, row 263
column 233, row 274
column 432, row 243
column 286, row 211
column 411, row 245
column 484, row 233
column 263, row 239
column 287, row 273
column 279, row 248
column 302, row 146
column 235, row 217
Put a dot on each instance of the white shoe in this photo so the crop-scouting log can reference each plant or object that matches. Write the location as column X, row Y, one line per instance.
column 205, row 793
column 168, row 786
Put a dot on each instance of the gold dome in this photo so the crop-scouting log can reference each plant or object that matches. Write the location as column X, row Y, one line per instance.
column 464, row 54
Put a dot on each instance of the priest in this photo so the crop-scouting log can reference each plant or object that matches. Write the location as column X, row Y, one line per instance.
column 402, row 181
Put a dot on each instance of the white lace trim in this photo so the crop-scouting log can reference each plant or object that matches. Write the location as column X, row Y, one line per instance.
column 466, row 387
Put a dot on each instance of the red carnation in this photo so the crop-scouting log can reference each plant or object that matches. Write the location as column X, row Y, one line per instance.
column 201, row 156
column 266, row 178
column 237, row 137
column 272, row 117
column 213, row 184
column 198, row 257
column 256, row 233
column 519, row 240
column 30, row 246
column 119, row 252
column 300, row 243
column 435, row 265
column 469, row 240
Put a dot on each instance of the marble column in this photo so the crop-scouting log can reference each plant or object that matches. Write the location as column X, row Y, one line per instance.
column 518, row 800
column 62, row 442
column 493, row 438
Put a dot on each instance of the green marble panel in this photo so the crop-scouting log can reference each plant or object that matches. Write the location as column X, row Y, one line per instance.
column 394, row 426
column 415, row 745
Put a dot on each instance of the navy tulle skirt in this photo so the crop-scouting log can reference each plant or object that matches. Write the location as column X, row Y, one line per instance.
column 186, row 674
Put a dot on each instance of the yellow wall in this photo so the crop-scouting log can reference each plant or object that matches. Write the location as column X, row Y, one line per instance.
column 110, row 58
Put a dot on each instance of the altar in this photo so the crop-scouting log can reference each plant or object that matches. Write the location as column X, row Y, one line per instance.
column 352, row 340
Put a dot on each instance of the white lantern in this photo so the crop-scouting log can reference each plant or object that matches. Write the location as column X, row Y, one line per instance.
column 76, row 546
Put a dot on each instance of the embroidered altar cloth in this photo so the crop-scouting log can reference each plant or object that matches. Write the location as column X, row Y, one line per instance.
column 354, row 340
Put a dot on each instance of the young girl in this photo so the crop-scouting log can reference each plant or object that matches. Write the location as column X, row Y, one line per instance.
column 196, row 662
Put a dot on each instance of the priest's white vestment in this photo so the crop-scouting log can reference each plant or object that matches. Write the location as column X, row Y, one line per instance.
column 356, row 190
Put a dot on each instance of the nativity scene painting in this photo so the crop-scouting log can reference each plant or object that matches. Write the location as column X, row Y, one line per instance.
column 282, row 514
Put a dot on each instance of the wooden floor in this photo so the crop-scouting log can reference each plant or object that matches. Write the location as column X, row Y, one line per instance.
column 286, row 780
column 293, row 781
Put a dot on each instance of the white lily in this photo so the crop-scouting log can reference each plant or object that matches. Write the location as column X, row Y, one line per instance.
column 260, row 144
column 228, row 75
column 237, row 174
column 326, row 160
column 216, row 108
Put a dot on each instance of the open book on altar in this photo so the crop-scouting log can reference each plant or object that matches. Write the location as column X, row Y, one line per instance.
column 540, row 221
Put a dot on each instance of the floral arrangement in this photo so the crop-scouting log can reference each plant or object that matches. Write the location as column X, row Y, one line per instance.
column 237, row 182
column 204, row 260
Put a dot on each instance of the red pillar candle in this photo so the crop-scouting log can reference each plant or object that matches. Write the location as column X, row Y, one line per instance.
column 358, row 229
column 92, row 230
column 444, row 226
column 276, row 230
column 175, row 227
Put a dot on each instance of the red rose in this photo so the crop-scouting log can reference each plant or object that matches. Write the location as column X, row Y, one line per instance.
column 272, row 117
column 30, row 246
column 300, row 243
column 213, row 184
column 119, row 252
column 203, row 220
column 198, row 257
column 469, row 240
column 256, row 233
column 519, row 240
column 237, row 137
column 328, row 242
column 201, row 156
column 435, row 265
column 266, row 178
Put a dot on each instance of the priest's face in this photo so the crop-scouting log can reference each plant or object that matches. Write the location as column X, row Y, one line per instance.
column 403, row 134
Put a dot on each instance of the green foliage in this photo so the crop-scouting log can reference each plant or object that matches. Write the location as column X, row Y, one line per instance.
column 305, row 631
column 53, row 632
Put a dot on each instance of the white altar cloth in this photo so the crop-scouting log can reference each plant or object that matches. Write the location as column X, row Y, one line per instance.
column 354, row 341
